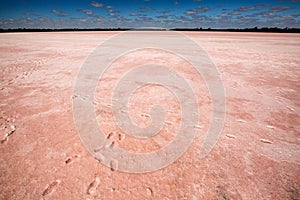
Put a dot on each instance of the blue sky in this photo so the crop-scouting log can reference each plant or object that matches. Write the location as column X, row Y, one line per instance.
column 149, row 13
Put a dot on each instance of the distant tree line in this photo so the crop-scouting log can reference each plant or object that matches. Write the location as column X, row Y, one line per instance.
column 59, row 30
column 255, row 29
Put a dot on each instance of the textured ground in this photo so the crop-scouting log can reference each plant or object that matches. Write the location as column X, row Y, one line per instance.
column 256, row 157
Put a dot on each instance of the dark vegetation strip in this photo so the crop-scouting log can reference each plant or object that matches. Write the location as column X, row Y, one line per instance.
column 265, row 30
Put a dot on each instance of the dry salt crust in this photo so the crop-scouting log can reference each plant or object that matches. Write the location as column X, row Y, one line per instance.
column 256, row 157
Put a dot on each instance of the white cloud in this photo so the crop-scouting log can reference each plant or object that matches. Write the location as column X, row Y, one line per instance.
column 97, row 5
column 84, row 19
column 59, row 13
column 88, row 12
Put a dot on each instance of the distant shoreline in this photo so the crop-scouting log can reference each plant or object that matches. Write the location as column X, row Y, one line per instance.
column 263, row 30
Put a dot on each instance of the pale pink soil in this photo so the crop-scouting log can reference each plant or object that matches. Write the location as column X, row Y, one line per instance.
column 256, row 157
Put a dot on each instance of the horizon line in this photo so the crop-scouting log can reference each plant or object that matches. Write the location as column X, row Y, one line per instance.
column 252, row 29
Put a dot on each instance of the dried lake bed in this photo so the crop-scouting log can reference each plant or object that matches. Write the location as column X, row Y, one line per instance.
column 257, row 155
